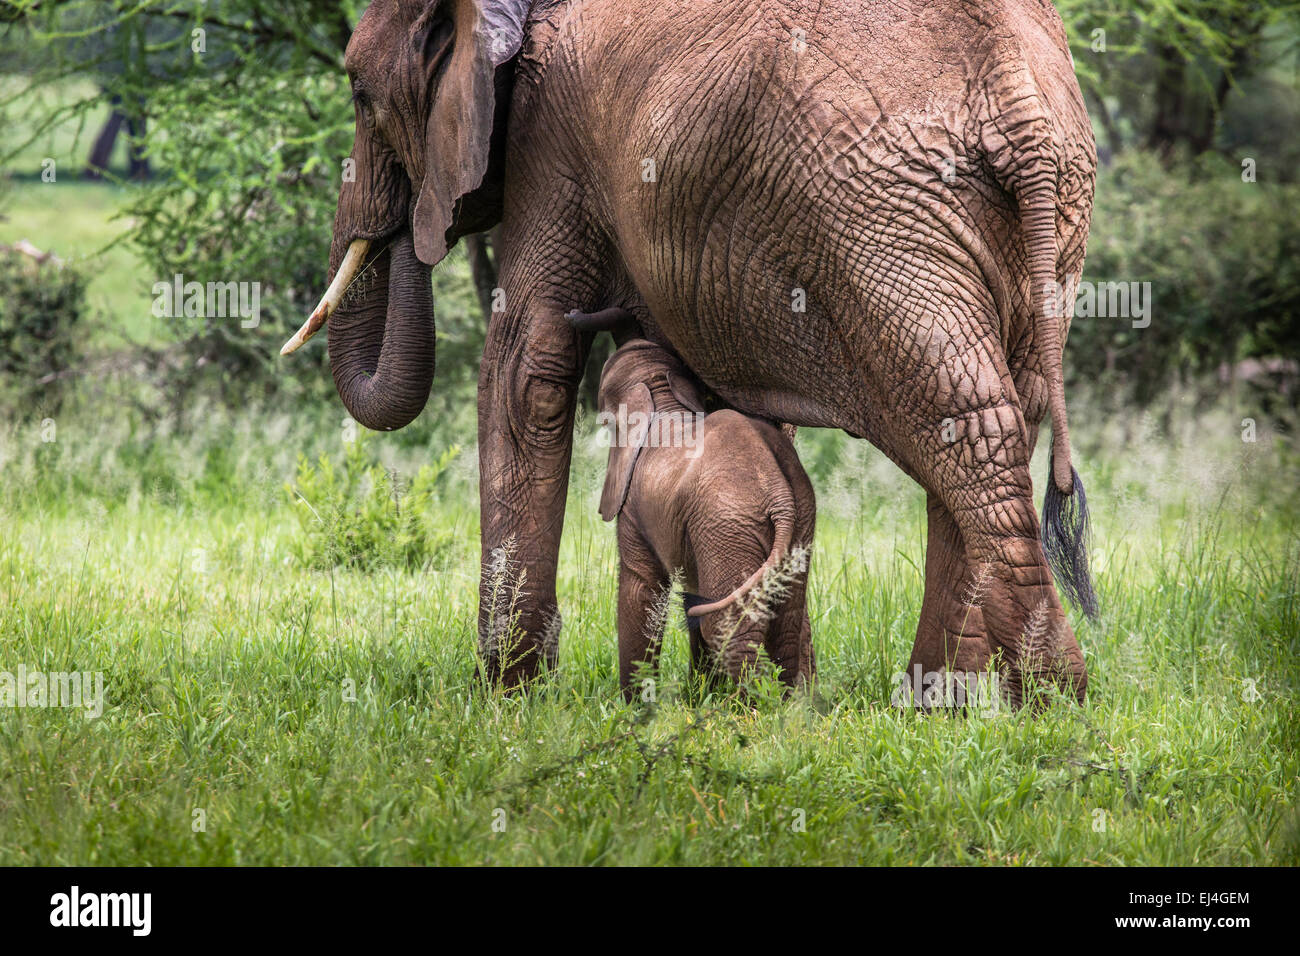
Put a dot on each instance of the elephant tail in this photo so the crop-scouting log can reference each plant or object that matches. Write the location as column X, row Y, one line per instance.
column 1065, row 507
column 781, row 513
column 1022, row 146
column 1038, row 222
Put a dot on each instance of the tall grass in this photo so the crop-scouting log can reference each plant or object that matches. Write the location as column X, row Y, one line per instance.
column 259, row 711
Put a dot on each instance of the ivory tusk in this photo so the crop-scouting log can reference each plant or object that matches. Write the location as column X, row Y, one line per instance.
column 348, row 269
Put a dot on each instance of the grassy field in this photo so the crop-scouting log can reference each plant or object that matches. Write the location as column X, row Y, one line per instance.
column 118, row 291
column 167, row 562
column 76, row 220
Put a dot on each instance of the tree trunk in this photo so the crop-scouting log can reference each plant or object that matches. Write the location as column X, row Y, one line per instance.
column 1167, row 124
column 137, row 164
column 102, row 152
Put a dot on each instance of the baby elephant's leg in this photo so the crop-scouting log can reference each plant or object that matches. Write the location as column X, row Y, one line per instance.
column 702, row 663
column 790, row 636
column 643, row 594
column 789, row 640
column 733, row 641
column 733, row 636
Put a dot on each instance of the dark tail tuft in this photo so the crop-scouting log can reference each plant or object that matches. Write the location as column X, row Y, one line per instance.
column 1065, row 539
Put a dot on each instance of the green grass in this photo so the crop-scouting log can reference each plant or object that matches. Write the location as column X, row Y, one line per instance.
column 165, row 565
column 75, row 219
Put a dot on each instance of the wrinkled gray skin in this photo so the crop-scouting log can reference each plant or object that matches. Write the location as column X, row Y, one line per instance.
column 852, row 213
column 719, row 498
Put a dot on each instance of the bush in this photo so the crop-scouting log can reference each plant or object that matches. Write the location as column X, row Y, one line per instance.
column 361, row 515
column 42, row 313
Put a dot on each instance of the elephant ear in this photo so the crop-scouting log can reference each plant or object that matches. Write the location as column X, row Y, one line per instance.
column 686, row 391
column 458, row 132
column 638, row 407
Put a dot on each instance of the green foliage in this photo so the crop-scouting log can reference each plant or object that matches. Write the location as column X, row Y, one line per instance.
column 43, row 314
column 1223, row 260
column 361, row 515
column 251, row 200
column 247, row 138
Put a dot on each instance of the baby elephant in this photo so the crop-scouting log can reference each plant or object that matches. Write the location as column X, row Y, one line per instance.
column 721, row 496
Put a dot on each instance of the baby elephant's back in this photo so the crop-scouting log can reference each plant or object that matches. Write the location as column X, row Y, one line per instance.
column 748, row 469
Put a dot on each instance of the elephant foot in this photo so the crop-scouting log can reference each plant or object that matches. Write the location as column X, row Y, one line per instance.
column 1041, row 671
column 513, row 654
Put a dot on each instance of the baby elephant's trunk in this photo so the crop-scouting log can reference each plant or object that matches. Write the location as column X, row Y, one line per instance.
column 781, row 512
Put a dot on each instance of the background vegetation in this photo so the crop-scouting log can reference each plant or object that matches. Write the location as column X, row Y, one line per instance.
column 284, row 609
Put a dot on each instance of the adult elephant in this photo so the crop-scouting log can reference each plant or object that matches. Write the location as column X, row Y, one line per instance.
column 840, row 214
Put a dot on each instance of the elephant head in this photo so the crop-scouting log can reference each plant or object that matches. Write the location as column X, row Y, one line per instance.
column 639, row 381
column 431, row 83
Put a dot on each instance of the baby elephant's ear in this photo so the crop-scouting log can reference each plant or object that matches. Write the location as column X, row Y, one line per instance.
column 628, row 422
column 687, row 392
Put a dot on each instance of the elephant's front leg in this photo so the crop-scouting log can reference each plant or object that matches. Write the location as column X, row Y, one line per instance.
column 532, row 363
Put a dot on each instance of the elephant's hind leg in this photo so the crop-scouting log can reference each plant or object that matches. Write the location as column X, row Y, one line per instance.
column 950, row 634
column 959, row 430
column 1021, row 609
column 732, row 637
column 982, row 479
column 644, row 590
column 789, row 641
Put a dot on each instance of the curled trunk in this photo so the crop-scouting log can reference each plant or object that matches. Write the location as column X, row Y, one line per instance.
column 381, row 339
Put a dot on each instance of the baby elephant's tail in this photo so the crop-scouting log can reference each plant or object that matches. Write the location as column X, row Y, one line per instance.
column 781, row 512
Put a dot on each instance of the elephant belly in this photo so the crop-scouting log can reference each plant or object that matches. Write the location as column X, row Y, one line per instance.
column 741, row 222
column 793, row 217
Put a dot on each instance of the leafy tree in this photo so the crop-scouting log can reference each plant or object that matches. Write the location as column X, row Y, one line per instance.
column 249, row 120
column 1159, row 73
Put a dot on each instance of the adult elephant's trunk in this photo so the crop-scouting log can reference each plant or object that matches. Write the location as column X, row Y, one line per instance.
column 381, row 334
